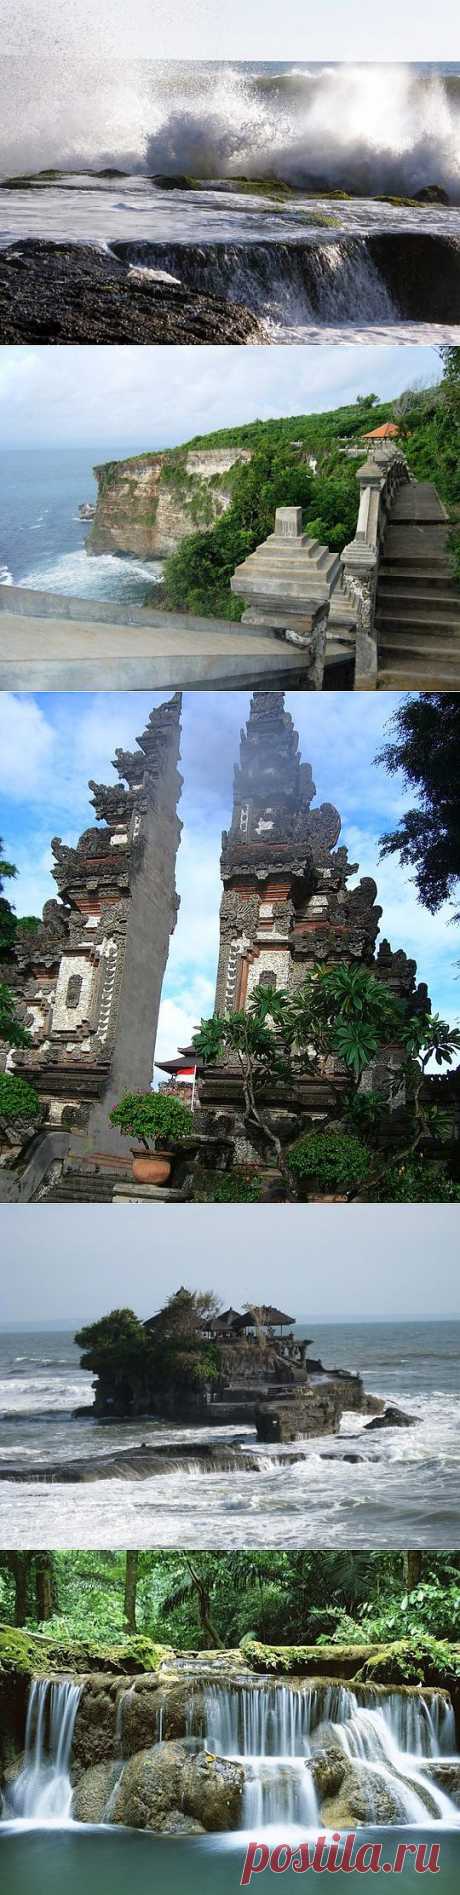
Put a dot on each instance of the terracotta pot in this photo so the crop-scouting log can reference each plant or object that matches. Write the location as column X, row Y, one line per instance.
column 328, row 1197
column 151, row 1167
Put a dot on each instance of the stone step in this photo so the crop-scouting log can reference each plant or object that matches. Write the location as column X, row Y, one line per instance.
column 394, row 637
column 437, row 577
column 407, row 660
column 417, row 678
column 416, row 557
column 76, row 1187
column 425, row 598
column 423, row 622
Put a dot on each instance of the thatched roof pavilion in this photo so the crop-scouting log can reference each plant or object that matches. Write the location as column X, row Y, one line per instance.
column 264, row 1316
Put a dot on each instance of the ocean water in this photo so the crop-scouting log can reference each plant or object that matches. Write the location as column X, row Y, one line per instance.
column 366, row 128
column 42, row 539
column 404, row 1491
column 358, row 130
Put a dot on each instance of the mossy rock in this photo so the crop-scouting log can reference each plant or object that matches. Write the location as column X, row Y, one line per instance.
column 411, row 1661
column 328, row 1661
column 31, row 1653
column 405, row 1661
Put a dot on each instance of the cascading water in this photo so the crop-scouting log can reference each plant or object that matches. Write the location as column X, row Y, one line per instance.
column 295, row 283
column 269, row 1728
column 42, row 1792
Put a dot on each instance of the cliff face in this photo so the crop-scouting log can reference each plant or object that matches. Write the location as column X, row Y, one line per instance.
column 146, row 506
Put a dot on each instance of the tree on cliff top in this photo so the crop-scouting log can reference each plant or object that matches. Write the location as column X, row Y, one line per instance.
column 426, row 749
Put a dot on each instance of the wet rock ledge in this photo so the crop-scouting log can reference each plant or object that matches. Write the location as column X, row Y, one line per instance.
column 62, row 292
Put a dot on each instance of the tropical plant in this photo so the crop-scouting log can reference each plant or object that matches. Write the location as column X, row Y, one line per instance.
column 153, row 1117
column 333, row 1160
column 343, row 1015
column 19, row 1104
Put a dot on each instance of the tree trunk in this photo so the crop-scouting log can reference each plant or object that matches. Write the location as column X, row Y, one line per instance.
column 202, row 1591
column 44, row 1586
column 20, row 1566
column 131, row 1578
column 412, row 1563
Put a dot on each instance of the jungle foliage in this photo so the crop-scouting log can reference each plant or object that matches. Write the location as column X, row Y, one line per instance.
column 202, row 1599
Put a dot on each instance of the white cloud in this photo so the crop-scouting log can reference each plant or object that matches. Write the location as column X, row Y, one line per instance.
column 152, row 397
column 27, row 748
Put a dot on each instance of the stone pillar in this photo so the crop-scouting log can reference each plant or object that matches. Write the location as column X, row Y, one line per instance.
column 360, row 569
column 287, row 584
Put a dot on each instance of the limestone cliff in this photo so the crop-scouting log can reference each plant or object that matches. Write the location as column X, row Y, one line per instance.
column 146, row 505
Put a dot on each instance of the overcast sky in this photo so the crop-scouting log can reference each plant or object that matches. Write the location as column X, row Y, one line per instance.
column 340, row 1263
column 339, row 29
column 50, row 745
column 130, row 399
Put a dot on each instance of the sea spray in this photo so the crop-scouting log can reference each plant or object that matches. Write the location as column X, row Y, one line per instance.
column 364, row 128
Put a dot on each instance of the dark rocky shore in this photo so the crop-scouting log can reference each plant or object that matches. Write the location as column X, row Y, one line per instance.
column 133, row 1464
column 63, row 292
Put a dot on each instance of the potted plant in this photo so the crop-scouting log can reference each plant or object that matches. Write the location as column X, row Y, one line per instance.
column 157, row 1119
column 330, row 1165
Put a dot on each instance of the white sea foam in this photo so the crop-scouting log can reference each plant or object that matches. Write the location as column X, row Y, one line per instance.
column 106, row 576
column 367, row 127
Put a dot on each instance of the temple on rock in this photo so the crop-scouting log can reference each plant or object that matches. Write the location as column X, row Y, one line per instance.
column 88, row 982
column 224, row 1367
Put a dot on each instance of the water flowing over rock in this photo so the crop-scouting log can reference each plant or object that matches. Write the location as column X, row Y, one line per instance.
column 42, row 1789
column 249, row 1753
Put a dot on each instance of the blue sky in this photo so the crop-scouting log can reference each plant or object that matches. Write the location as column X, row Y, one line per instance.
column 128, row 399
column 50, row 746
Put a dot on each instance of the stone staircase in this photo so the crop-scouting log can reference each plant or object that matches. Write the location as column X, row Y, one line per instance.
column 418, row 600
column 80, row 1187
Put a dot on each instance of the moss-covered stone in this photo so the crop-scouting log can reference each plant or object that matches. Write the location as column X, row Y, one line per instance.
column 33, row 1654
column 405, row 1661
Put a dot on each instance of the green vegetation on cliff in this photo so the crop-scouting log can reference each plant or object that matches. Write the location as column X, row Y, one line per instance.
column 197, row 576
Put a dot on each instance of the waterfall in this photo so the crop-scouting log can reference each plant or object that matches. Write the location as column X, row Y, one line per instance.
column 42, row 1792
column 267, row 1729
column 367, row 1738
column 386, row 1737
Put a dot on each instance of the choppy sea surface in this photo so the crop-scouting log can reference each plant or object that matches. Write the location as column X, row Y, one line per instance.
column 42, row 539
column 405, row 1491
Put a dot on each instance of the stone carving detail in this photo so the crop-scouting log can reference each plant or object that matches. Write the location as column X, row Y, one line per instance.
column 74, row 987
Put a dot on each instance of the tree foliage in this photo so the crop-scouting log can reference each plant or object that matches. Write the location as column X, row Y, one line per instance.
column 347, row 1015
column 171, row 1351
column 153, row 1117
column 425, row 748
column 200, row 1599
column 19, row 1103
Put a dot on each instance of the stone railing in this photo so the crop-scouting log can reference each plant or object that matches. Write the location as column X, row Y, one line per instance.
column 379, row 480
